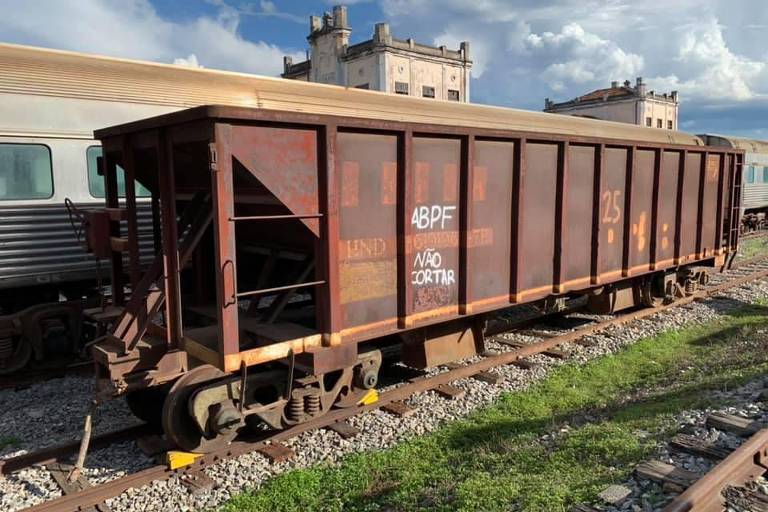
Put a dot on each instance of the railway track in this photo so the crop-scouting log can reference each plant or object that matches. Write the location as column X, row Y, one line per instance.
column 393, row 400
column 727, row 484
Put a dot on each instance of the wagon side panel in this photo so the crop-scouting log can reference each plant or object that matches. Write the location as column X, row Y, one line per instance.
column 709, row 205
column 537, row 232
column 665, row 226
column 367, row 168
column 612, row 200
column 690, row 207
column 578, row 216
column 432, row 254
column 489, row 237
column 642, row 211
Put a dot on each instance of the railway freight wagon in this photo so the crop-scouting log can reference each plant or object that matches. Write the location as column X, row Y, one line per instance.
column 754, row 188
column 329, row 229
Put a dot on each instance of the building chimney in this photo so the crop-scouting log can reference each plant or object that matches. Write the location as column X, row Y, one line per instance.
column 381, row 33
column 674, row 96
column 640, row 88
column 287, row 63
column 315, row 24
column 614, row 84
column 340, row 16
column 464, row 47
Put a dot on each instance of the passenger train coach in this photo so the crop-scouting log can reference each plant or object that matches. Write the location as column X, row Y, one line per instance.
column 50, row 104
column 754, row 188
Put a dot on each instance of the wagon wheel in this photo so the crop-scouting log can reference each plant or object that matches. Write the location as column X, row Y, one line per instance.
column 179, row 427
column 15, row 353
column 147, row 404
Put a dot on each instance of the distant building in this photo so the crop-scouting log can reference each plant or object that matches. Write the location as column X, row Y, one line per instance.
column 382, row 63
column 625, row 104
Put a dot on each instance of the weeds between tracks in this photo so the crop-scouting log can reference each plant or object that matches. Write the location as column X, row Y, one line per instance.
column 556, row 444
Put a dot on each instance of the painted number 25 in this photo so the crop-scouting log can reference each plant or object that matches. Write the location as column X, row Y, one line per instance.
column 611, row 208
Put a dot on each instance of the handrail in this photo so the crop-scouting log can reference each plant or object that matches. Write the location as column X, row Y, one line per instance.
column 278, row 217
column 279, row 288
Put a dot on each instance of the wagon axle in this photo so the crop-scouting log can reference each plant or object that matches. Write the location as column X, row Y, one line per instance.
column 206, row 408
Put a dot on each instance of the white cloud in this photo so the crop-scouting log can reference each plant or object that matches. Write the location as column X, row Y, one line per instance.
column 581, row 57
column 709, row 68
column 189, row 61
column 134, row 29
column 530, row 49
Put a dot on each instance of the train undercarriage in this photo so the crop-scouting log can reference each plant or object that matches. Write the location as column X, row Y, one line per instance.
column 202, row 408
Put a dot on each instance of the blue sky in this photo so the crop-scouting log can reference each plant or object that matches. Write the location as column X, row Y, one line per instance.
column 712, row 52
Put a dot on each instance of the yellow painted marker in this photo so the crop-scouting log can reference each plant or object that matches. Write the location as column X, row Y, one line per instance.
column 178, row 460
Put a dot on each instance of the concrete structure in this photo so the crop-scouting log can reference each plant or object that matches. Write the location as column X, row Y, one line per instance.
column 625, row 104
column 382, row 63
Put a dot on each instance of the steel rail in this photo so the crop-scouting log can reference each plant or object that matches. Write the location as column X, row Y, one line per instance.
column 745, row 464
column 55, row 453
column 96, row 495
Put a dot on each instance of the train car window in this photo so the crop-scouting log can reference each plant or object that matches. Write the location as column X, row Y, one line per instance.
column 26, row 172
column 96, row 180
column 751, row 174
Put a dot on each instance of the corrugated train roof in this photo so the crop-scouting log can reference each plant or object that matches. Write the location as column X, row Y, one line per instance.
column 38, row 71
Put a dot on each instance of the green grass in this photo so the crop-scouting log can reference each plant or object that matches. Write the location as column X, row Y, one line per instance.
column 605, row 417
column 9, row 442
column 752, row 247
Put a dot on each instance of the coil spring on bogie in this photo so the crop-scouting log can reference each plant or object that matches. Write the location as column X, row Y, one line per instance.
column 295, row 408
column 6, row 348
column 312, row 404
column 690, row 286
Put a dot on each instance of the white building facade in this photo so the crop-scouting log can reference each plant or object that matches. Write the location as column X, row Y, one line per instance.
column 382, row 63
column 624, row 104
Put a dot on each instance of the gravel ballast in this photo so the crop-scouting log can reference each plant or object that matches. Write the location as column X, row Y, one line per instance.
column 61, row 405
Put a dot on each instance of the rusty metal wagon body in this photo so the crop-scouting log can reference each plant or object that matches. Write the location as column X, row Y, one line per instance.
column 298, row 243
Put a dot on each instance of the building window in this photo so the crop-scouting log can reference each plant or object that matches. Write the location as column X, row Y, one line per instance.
column 669, row 124
column 649, row 122
column 751, row 174
column 25, row 172
column 401, row 88
column 765, row 174
column 659, row 123
column 453, row 95
column 362, row 86
column 428, row 92
column 96, row 185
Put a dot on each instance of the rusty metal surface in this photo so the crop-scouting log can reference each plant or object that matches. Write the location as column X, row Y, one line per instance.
column 432, row 252
column 667, row 206
column 689, row 221
column 537, row 236
column 412, row 225
column 709, row 205
column 612, row 197
column 367, row 246
column 747, row 462
column 580, row 190
column 489, row 236
column 642, row 210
